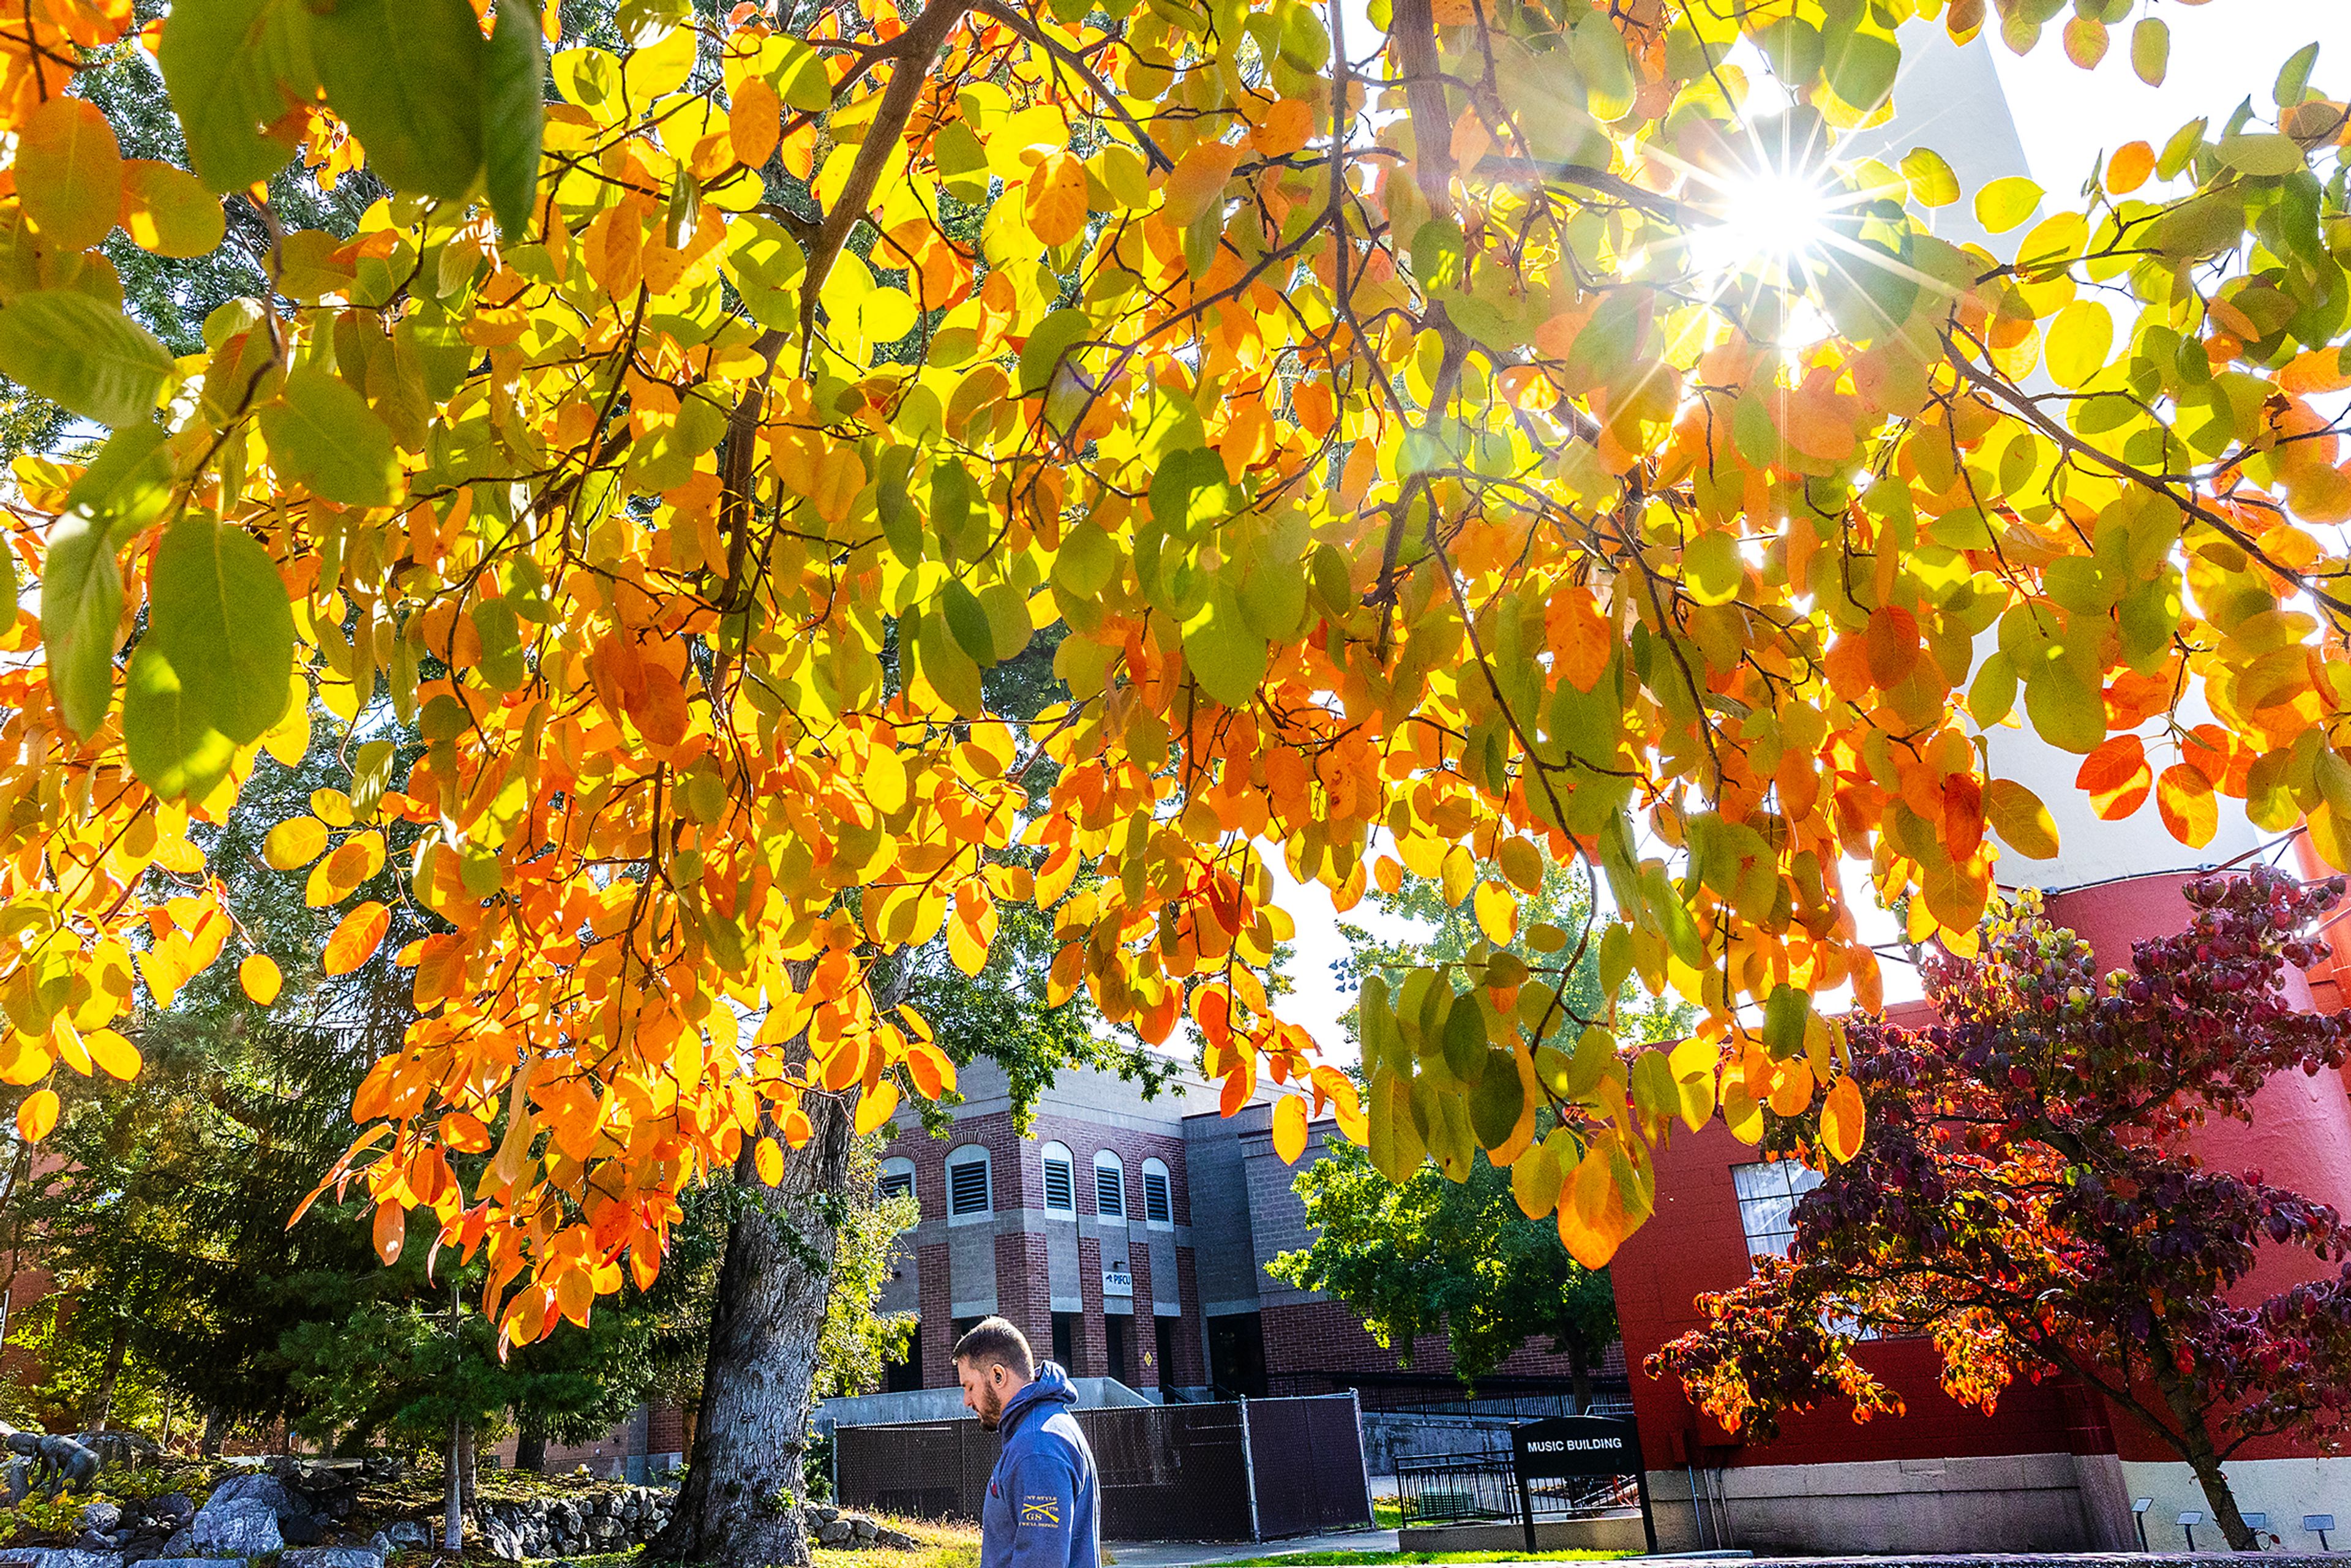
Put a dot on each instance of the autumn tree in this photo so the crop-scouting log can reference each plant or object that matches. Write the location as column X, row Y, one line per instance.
column 1373, row 428
column 2030, row 1195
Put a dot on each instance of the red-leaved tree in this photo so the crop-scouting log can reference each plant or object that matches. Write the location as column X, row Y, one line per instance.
column 2030, row 1195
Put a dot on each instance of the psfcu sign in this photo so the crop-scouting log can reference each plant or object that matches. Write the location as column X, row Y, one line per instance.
column 1569, row 1445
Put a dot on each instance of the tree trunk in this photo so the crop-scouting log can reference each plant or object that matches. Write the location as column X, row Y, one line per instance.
column 740, row 1505
column 101, row 1404
column 1579, row 1372
column 215, row 1428
column 468, row 1476
column 530, row 1452
column 2195, row 1445
column 453, row 1506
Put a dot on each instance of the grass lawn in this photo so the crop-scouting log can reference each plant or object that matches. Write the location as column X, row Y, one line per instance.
column 944, row 1543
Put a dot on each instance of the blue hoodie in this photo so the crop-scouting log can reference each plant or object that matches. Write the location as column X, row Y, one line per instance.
column 1042, row 1510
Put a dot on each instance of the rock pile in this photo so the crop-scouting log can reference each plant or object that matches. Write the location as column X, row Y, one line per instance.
column 833, row 1527
column 608, row 1521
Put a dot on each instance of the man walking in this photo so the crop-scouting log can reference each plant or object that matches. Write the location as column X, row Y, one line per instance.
column 1041, row 1510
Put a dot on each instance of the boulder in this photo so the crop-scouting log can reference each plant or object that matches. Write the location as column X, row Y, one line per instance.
column 181, row 1543
column 264, row 1488
column 176, row 1505
column 895, row 1539
column 833, row 1531
column 408, row 1535
column 864, row 1528
column 101, row 1518
column 242, row 1527
column 190, row 1563
column 65, row 1557
column 331, row 1557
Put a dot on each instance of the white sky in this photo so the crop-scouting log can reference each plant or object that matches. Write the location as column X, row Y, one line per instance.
column 2067, row 119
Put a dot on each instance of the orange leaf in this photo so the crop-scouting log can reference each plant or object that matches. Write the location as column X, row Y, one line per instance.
column 37, row 1115
column 1892, row 643
column 69, row 173
column 1055, row 200
column 390, row 1231
column 1290, row 1128
column 1198, row 182
column 2115, row 777
column 2128, row 170
column 260, row 977
column 1591, row 1221
column 754, row 122
column 357, row 938
column 1842, row 1120
column 2184, row 798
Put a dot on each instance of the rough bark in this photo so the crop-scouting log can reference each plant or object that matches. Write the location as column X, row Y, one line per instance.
column 530, row 1452
column 740, row 1505
column 215, row 1428
column 102, row 1405
column 2195, row 1445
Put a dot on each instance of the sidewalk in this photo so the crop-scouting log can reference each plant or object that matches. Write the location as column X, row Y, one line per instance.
column 1187, row 1553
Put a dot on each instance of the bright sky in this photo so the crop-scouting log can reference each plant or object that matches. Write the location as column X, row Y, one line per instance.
column 2067, row 119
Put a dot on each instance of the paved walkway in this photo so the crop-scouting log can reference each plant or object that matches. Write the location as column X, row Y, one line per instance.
column 1187, row 1553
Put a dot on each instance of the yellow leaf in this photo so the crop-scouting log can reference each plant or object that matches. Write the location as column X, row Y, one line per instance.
column 260, row 977
column 880, row 1103
column 771, row 1161
column 114, row 1055
column 1842, row 1121
column 37, row 1115
column 2024, row 823
column 296, row 842
column 1498, row 912
column 1290, row 1128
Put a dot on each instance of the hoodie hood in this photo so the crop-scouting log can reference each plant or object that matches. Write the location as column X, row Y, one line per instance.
column 1050, row 1388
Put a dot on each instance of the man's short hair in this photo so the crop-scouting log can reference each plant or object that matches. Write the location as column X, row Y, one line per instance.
column 995, row 1341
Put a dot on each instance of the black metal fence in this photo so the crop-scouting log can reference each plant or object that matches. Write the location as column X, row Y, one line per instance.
column 1246, row 1470
column 1467, row 1489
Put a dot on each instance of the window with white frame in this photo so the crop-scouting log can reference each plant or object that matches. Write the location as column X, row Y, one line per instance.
column 1061, row 1179
column 1767, row 1203
column 1157, row 1209
column 1109, row 1188
column 897, row 1179
column 967, row 1190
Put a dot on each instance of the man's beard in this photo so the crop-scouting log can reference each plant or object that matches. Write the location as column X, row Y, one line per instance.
column 990, row 1411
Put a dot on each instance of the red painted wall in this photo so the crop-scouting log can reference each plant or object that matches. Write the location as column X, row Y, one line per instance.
column 1694, row 1243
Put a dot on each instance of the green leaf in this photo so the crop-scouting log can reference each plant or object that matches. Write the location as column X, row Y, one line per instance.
column 232, row 66
column 1497, row 1101
column 2004, row 204
column 408, row 77
column 1048, row 341
column 967, row 621
column 895, row 502
column 1712, row 570
column 2151, row 49
column 128, row 485
column 1785, row 1014
column 1464, row 1041
column 1932, row 184
column 1598, row 49
column 217, row 609
column 174, row 750
column 2293, row 77
column 86, row 355
column 2262, row 153
column 1862, row 69
column 323, row 434
column 1224, row 656
column 513, row 114
column 81, row 605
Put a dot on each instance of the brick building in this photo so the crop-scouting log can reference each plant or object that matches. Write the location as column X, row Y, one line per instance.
column 1128, row 1239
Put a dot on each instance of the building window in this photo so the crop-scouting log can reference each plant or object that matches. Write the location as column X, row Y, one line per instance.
column 1065, row 1341
column 1767, row 1203
column 1109, row 1188
column 1156, row 1208
column 967, row 1196
column 904, row 1374
column 1061, row 1179
column 897, row 1181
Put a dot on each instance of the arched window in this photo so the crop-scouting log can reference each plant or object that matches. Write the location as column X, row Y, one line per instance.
column 1061, row 1179
column 897, row 1180
column 1158, row 1208
column 968, row 1184
column 1109, row 1188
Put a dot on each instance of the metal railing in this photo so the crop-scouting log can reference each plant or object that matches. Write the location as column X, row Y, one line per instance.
column 1466, row 1489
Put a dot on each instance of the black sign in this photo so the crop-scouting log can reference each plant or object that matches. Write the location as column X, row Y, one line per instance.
column 1578, row 1446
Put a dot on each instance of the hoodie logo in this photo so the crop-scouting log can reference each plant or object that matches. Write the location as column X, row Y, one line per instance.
column 1041, row 1510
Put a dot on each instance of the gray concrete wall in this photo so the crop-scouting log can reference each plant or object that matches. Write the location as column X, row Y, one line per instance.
column 1393, row 1435
column 2018, row 1502
column 1224, row 1248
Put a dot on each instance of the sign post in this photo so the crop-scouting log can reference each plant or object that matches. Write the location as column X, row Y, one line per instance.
column 1568, row 1446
